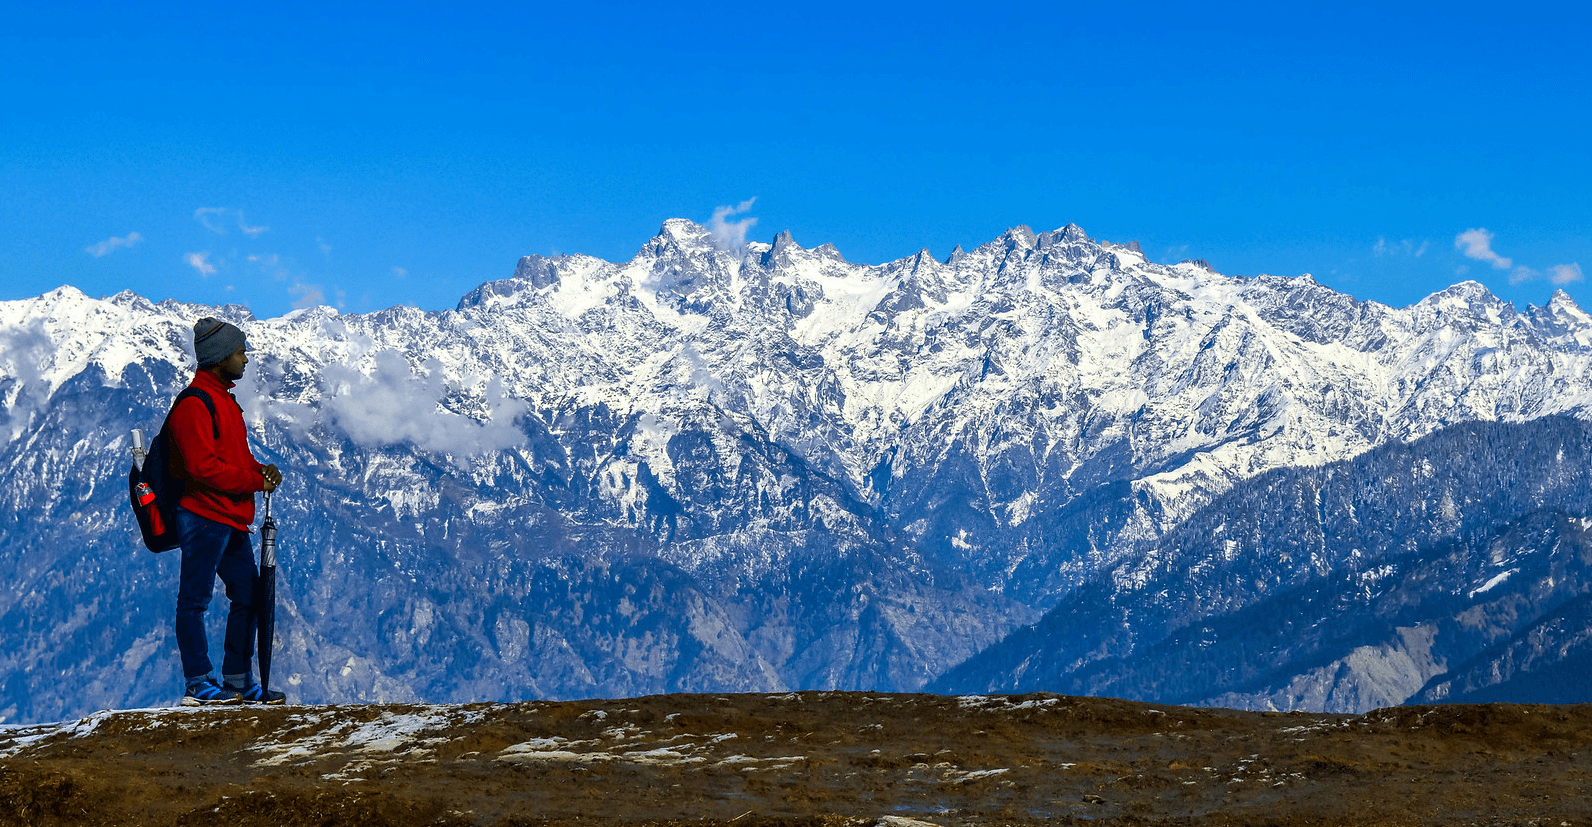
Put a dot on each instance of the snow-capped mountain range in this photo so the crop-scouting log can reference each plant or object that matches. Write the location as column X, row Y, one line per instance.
column 708, row 468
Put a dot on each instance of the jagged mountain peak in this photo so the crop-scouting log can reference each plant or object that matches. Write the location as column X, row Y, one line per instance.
column 65, row 292
column 1560, row 304
column 1563, row 321
column 1562, row 300
column 1467, row 293
column 684, row 232
column 1020, row 237
column 684, row 267
column 783, row 251
column 1469, row 303
column 1070, row 234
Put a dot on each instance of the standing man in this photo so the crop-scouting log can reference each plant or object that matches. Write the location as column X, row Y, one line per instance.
column 210, row 454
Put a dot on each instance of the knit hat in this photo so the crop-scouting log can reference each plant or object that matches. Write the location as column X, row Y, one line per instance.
column 214, row 340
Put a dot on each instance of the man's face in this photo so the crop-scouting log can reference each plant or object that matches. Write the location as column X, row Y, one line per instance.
column 232, row 366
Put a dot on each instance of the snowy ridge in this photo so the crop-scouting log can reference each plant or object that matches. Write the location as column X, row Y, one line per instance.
column 1080, row 347
column 1045, row 352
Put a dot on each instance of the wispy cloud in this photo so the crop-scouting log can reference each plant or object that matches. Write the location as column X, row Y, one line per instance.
column 271, row 265
column 209, row 217
column 1406, row 247
column 248, row 230
column 731, row 235
column 400, row 272
column 1477, row 244
column 218, row 219
column 307, row 295
column 112, row 244
column 326, row 249
column 200, row 262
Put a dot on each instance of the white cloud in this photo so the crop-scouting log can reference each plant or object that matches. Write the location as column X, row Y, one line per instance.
column 399, row 272
column 112, row 244
column 1564, row 273
column 200, row 262
column 326, row 249
column 731, row 235
column 1477, row 244
column 396, row 404
column 1559, row 274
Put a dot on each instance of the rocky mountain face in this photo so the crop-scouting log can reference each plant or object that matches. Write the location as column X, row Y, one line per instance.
column 754, row 469
column 1431, row 570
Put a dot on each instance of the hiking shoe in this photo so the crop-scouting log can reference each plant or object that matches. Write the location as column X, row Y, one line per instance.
column 210, row 693
column 256, row 694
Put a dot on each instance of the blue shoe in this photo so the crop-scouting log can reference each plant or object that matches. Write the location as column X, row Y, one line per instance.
column 256, row 694
column 209, row 693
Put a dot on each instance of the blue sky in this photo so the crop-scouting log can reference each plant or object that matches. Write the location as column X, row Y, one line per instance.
column 374, row 155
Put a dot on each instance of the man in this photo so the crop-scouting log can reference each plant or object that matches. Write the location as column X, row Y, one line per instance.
column 220, row 475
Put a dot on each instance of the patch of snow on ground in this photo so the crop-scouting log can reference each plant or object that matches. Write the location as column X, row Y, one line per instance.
column 1488, row 586
column 389, row 733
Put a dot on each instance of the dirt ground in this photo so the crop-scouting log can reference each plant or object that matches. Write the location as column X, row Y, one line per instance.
column 812, row 758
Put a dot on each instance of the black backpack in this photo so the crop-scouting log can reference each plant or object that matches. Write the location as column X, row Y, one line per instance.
column 153, row 490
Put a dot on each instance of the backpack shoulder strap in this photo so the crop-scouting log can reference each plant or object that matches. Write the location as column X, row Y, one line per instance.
column 210, row 404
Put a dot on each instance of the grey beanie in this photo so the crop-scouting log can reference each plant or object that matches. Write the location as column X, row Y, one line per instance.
column 214, row 340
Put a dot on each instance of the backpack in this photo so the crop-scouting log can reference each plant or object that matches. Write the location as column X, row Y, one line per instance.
column 153, row 490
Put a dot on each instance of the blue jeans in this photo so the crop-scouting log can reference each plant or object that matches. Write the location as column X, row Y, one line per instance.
column 209, row 549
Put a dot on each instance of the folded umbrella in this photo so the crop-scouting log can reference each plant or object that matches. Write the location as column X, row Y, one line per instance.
column 265, row 595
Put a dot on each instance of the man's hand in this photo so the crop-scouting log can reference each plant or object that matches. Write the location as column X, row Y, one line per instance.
column 273, row 477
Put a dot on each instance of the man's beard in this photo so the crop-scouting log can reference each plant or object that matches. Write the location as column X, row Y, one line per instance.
column 231, row 375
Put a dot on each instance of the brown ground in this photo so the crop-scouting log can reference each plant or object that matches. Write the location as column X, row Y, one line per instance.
column 817, row 758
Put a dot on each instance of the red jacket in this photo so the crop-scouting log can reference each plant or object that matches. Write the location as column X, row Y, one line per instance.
column 221, row 474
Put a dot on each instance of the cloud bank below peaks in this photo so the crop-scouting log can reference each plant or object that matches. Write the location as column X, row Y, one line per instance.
column 394, row 404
